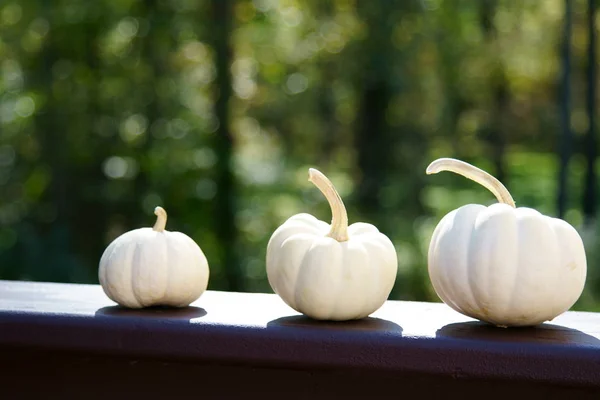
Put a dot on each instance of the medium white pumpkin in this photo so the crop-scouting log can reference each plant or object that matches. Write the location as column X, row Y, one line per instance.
column 504, row 265
column 153, row 267
column 336, row 272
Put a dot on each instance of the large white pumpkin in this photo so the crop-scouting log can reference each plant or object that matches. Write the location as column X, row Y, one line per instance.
column 504, row 265
column 153, row 267
column 331, row 272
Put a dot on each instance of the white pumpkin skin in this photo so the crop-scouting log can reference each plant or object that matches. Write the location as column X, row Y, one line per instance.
column 506, row 266
column 327, row 279
column 144, row 268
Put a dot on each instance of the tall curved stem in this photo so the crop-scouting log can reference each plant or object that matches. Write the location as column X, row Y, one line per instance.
column 475, row 174
column 339, row 217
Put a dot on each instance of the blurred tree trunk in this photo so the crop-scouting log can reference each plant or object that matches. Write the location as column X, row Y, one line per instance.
column 448, row 39
column 224, row 218
column 565, row 142
column 497, row 133
column 389, row 155
column 327, row 111
column 372, row 145
column 372, row 142
column 153, row 52
column 53, row 144
column 590, row 148
column 500, row 93
column 328, row 68
column 49, row 237
column 96, row 208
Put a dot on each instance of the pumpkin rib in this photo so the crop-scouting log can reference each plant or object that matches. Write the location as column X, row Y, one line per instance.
column 558, row 307
column 516, row 266
column 168, row 290
column 442, row 273
column 472, row 265
column 192, row 248
column 103, row 271
column 376, row 256
column 132, row 271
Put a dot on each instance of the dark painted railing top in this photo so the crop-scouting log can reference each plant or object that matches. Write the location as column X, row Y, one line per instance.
column 259, row 329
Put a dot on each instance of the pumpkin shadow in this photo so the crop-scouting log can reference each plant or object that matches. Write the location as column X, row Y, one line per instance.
column 157, row 312
column 364, row 324
column 543, row 334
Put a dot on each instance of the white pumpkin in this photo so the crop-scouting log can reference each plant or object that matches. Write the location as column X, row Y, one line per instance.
column 504, row 265
column 336, row 272
column 153, row 267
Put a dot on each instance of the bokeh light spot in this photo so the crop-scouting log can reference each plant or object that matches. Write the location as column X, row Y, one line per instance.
column 24, row 107
column 204, row 157
column 116, row 167
column 296, row 83
column 134, row 126
column 11, row 14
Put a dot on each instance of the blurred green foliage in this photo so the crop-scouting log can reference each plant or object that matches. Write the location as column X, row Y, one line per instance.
column 216, row 110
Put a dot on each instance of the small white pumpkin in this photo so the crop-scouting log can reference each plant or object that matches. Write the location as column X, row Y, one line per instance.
column 153, row 267
column 336, row 272
column 504, row 265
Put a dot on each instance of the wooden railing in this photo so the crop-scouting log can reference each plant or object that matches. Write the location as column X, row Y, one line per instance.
column 66, row 341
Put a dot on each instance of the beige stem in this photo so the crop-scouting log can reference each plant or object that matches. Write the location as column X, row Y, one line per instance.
column 475, row 174
column 161, row 220
column 339, row 217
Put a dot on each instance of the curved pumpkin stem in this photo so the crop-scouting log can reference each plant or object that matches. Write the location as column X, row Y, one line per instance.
column 339, row 217
column 475, row 174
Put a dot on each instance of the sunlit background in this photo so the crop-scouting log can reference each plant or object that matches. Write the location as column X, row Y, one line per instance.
column 215, row 110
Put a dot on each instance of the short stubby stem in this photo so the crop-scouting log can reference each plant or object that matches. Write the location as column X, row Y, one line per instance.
column 339, row 217
column 161, row 219
column 475, row 174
